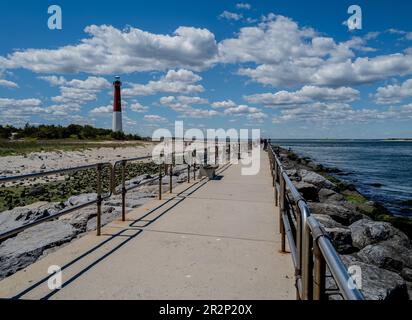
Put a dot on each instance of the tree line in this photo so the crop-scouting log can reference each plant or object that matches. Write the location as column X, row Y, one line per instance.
column 53, row 132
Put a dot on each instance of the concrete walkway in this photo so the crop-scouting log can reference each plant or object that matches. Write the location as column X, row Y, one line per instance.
column 208, row 240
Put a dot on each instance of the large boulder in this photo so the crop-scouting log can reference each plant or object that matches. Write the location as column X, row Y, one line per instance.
column 329, row 195
column 407, row 274
column 326, row 221
column 336, row 212
column 341, row 239
column 315, row 179
column 307, row 190
column 389, row 255
column 81, row 199
column 378, row 283
column 24, row 249
column 366, row 232
column 20, row 216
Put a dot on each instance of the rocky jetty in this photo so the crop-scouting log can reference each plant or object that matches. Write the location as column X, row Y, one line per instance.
column 355, row 226
column 28, row 246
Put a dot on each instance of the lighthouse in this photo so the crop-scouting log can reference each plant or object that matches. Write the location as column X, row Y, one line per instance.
column 117, row 106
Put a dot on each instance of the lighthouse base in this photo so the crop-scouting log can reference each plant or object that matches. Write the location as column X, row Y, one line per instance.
column 117, row 122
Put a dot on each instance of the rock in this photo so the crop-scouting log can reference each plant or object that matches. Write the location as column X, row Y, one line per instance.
column 407, row 274
column 24, row 249
column 43, row 167
column 24, row 215
column 315, row 179
column 366, row 232
column 378, row 283
column 388, row 255
column 307, row 190
column 327, row 221
column 81, row 199
column 341, row 239
column 182, row 178
column 336, row 212
column 328, row 195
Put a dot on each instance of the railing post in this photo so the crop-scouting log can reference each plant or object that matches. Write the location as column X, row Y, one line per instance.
column 307, row 263
column 160, row 181
column 188, row 173
column 276, row 180
column 124, row 190
column 319, row 273
column 99, row 199
column 238, row 154
column 171, row 178
column 282, row 210
column 216, row 154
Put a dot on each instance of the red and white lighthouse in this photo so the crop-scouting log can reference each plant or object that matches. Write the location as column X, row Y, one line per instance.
column 117, row 106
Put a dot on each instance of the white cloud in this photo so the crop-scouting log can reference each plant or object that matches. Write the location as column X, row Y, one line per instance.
column 394, row 93
column 184, row 106
column 102, row 110
column 8, row 84
column 289, row 55
column 77, row 91
column 230, row 15
column 108, row 50
column 243, row 5
column 17, row 103
column 308, row 94
column 338, row 113
column 224, row 104
column 180, row 81
column 137, row 107
column 154, row 118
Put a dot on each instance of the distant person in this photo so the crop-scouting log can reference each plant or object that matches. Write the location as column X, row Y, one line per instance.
column 265, row 144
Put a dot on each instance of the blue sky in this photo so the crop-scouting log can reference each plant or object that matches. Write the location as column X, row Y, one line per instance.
column 290, row 68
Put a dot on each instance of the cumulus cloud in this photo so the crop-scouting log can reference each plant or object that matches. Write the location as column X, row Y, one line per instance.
column 137, row 107
column 230, row 15
column 77, row 91
column 109, row 50
column 394, row 93
column 102, row 110
column 184, row 106
column 154, row 118
column 250, row 112
column 8, row 84
column 18, row 103
column 289, row 55
column 242, row 5
column 224, row 104
column 181, row 81
column 308, row 94
column 334, row 113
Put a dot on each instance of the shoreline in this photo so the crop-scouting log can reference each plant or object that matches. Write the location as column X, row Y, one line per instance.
column 379, row 211
column 363, row 232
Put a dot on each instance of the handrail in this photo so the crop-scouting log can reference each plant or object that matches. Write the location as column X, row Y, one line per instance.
column 99, row 168
column 311, row 249
column 112, row 183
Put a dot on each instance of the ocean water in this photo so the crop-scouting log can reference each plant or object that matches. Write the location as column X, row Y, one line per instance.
column 381, row 170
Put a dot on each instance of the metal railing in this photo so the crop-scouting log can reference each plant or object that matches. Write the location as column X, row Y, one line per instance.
column 99, row 167
column 310, row 247
column 164, row 170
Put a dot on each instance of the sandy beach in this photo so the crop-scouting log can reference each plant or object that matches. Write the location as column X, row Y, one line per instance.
column 46, row 161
